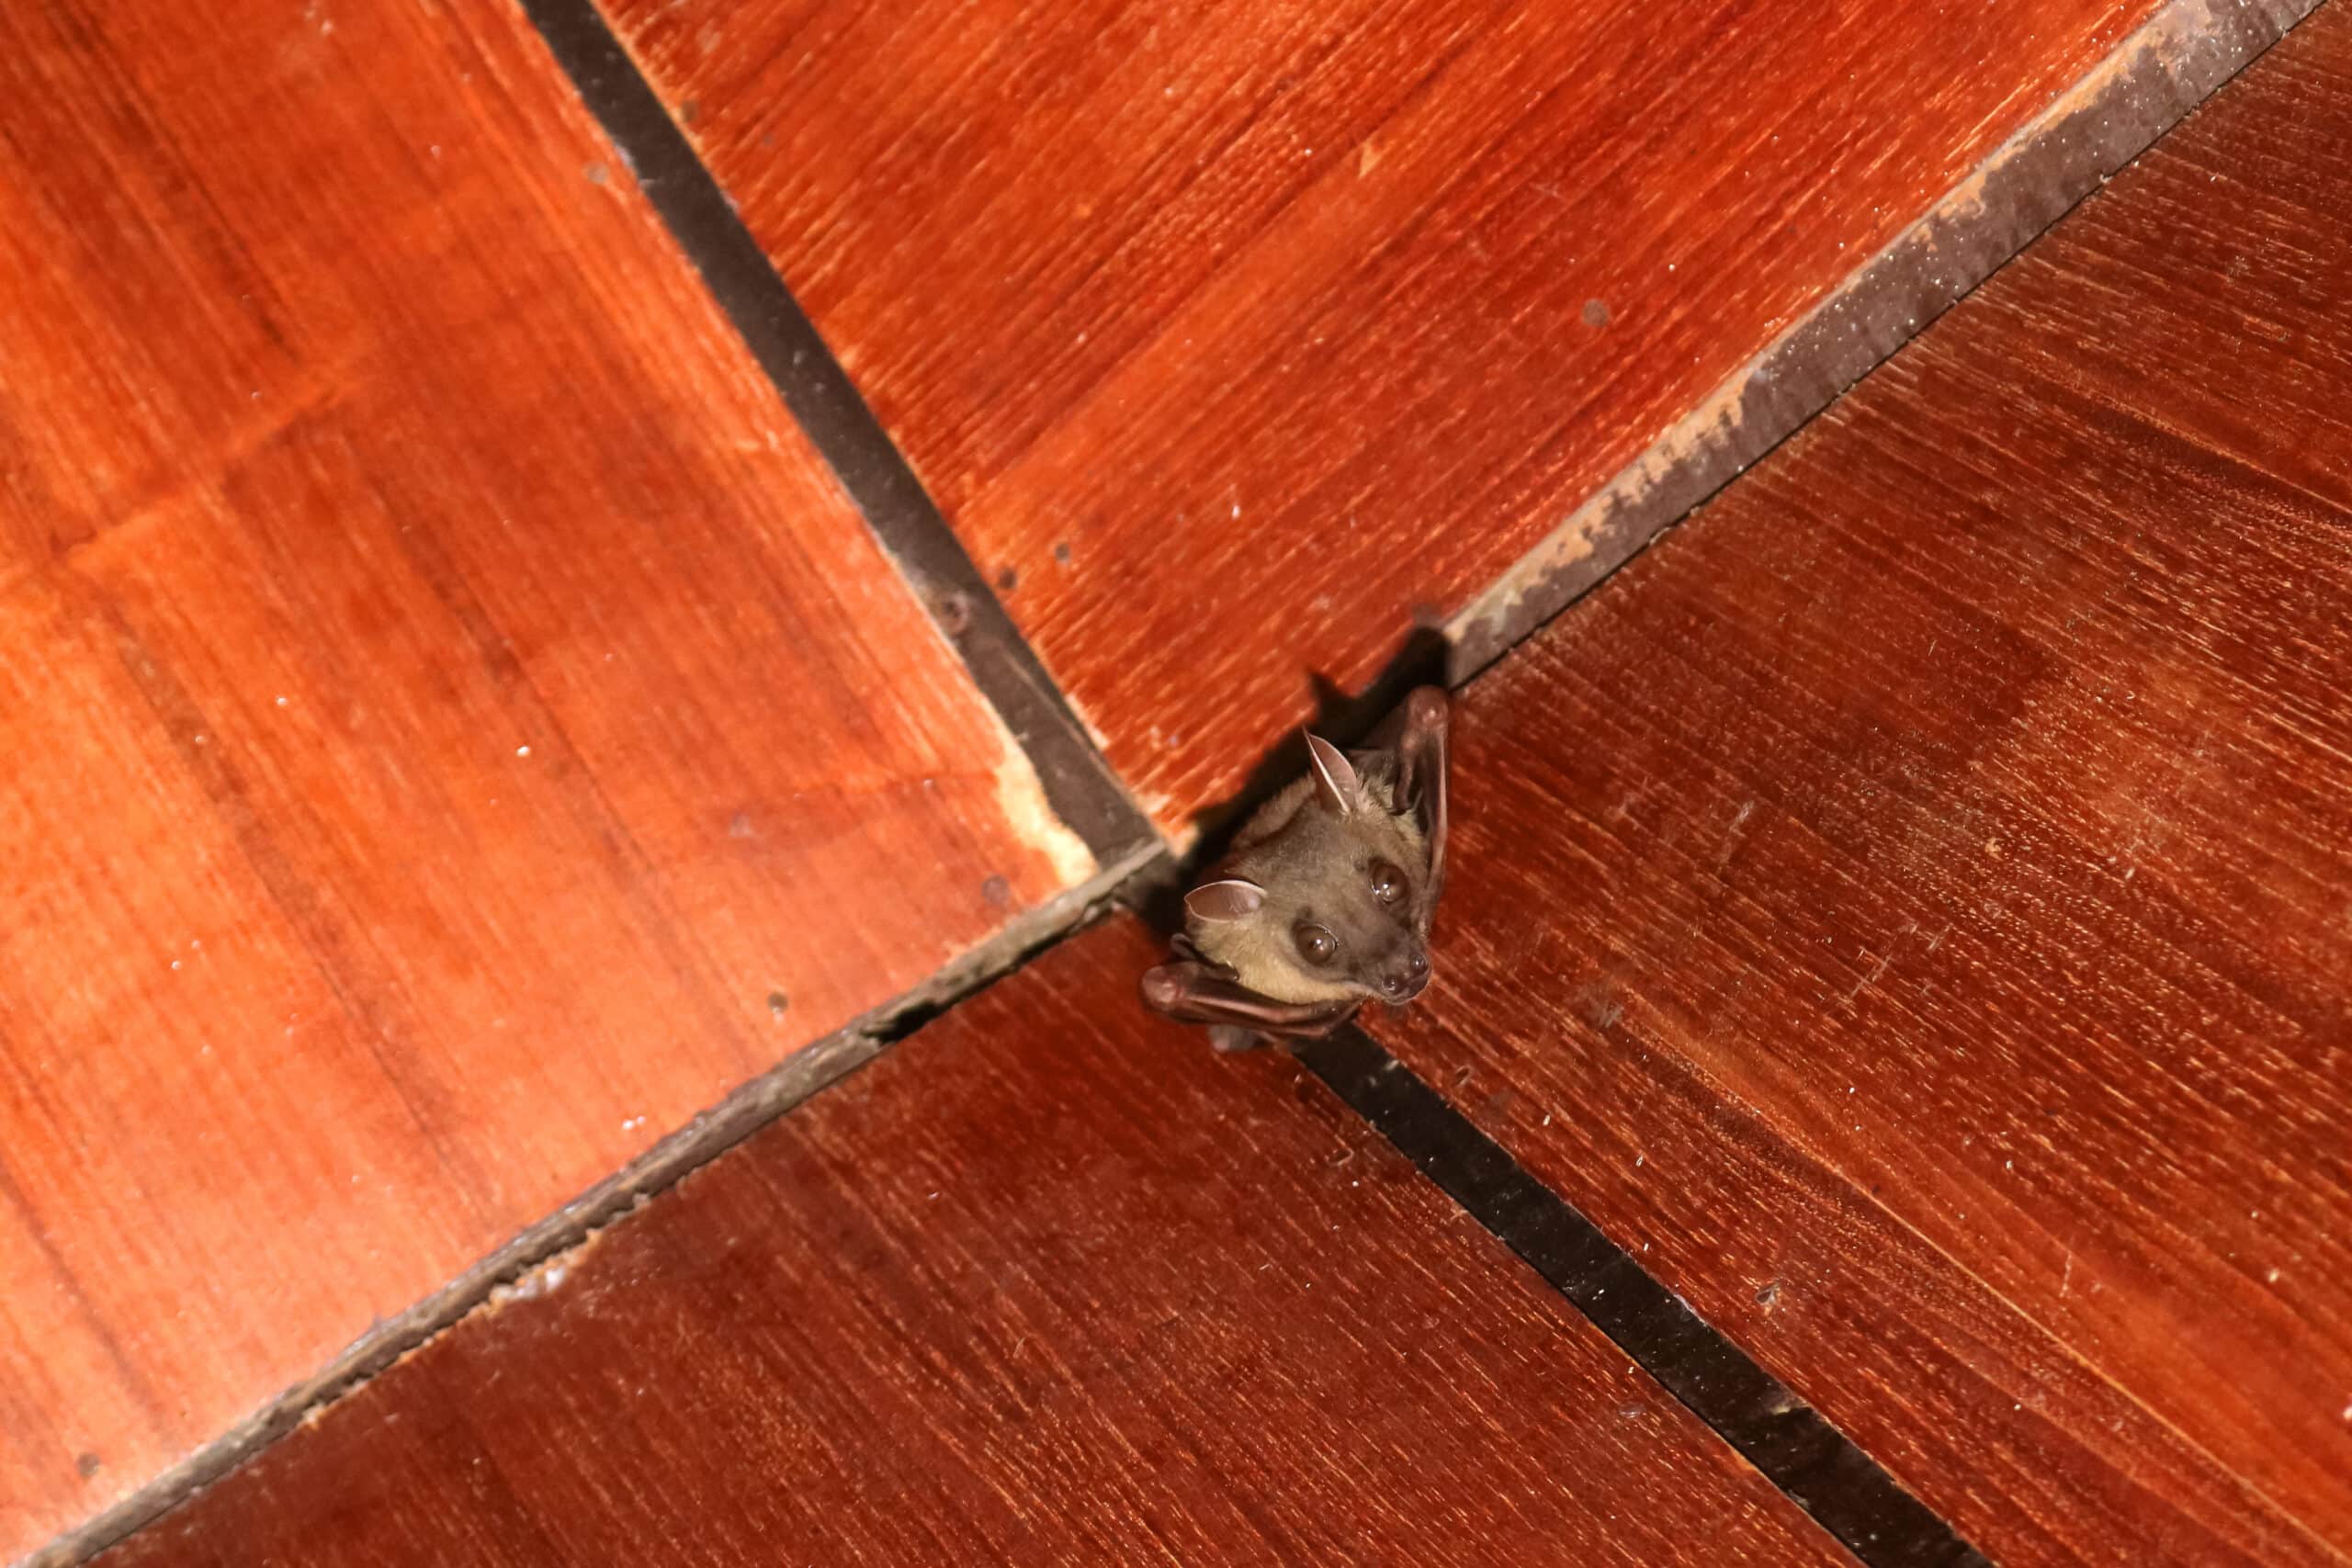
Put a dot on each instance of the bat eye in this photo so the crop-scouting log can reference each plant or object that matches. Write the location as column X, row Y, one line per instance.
column 1387, row 882
column 1316, row 945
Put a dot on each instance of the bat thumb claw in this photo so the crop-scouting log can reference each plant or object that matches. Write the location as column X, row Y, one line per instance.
column 1162, row 989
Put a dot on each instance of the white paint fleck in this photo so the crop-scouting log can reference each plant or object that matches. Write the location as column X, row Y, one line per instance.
column 547, row 1277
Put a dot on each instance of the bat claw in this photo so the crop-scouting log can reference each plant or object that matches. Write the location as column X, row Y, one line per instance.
column 1162, row 988
column 1427, row 708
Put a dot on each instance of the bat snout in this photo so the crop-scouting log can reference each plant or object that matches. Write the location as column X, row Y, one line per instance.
column 1404, row 977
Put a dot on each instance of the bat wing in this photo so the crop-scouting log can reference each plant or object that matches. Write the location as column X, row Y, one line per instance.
column 1191, row 992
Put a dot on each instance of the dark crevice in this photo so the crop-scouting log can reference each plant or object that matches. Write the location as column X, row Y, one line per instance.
column 2161, row 71
column 1793, row 1444
column 821, row 399
column 1799, row 1451
column 744, row 1111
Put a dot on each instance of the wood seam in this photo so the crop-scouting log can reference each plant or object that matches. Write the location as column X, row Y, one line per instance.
column 702, row 221
column 743, row 1112
column 1796, row 1448
column 2169, row 65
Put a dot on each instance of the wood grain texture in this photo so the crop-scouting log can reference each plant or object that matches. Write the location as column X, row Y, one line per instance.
column 1908, row 910
column 1049, row 1284
column 1235, row 338
column 455, row 729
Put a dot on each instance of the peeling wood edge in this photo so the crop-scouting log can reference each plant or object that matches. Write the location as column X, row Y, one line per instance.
column 2168, row 66
column 1079, row 785
column 741, row 1114
column 1792, row 1445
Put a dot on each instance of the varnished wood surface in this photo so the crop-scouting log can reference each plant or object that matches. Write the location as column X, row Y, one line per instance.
column 452, row 727
column 1050, row 1283
column 1234, row 337
column 1907, row 910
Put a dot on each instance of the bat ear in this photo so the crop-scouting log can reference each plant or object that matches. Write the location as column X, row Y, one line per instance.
column 1335, row 777
column 1234, row 898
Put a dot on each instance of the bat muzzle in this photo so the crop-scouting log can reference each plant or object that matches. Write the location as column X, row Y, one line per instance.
column 1404, row 978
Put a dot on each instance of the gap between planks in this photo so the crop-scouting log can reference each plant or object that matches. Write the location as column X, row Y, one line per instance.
column 2155, row 77
column 1846, row 1491
column 2148, row 84
column 702, row 221
column 744, row 1111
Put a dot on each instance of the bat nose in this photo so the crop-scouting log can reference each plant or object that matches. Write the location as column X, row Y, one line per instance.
column 1406, row 976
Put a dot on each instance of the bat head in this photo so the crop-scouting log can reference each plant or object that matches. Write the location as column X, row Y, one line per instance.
column 1323, row 907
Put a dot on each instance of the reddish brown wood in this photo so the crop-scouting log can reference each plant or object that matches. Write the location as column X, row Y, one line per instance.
column 1051, row 1283
column 443, row 701
column 1234, row 336
column 1908, row 911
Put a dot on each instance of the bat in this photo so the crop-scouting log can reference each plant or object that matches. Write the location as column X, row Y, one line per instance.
column 1325, row 900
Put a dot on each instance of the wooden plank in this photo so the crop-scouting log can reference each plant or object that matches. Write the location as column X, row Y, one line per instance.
column 1236, row 340
column 1907, row 912
column 1050, row 1283
column 455, row 729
